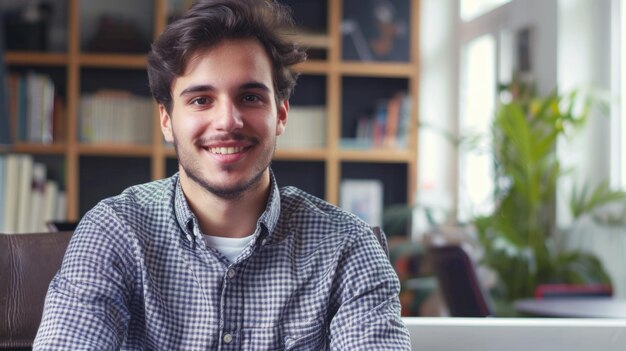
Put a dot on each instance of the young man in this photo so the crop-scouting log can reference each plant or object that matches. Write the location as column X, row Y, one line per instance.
column 217, row 256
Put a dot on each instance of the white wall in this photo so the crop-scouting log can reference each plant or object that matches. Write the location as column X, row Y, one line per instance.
column 584, row 60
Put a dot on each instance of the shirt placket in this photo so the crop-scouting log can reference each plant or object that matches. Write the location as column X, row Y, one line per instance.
column 231, row 304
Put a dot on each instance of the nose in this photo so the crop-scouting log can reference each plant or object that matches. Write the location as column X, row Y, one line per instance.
column 228, row 116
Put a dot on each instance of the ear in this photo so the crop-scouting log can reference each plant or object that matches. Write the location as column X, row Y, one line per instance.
column 281, row 121
column 166, row 124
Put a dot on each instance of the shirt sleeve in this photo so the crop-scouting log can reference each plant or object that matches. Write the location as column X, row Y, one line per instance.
column 366, row 298
column 86, row 307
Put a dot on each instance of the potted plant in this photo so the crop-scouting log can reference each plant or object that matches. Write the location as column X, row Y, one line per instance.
column 519, row 239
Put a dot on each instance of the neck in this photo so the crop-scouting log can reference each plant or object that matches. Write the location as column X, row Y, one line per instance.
column 234, row 218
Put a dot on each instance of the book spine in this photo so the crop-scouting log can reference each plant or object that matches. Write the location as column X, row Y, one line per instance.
column 51, row 193
column 24, row 193
column 12, row 169
column 2, row 190
column 35, row 217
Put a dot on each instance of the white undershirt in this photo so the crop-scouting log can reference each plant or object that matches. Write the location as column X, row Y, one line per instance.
column 229, row 247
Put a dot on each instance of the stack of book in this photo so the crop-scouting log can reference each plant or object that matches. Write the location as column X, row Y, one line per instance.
column 386, row 128
column 115, row 117
column 35, row 110
column 306, row 128
column 27, row 198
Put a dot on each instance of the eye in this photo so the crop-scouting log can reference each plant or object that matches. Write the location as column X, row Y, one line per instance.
column 251, row 98
column 199, row 101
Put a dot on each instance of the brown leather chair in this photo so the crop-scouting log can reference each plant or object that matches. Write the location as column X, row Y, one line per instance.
column 28, row 262
column 458, row 282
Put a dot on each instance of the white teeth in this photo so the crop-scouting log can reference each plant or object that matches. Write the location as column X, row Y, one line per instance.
column 225, row 150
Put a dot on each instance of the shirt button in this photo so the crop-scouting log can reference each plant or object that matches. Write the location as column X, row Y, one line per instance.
column 227, row 338
column 231, row 273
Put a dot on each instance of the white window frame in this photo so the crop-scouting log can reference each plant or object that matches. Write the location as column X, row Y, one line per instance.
column 492, row 23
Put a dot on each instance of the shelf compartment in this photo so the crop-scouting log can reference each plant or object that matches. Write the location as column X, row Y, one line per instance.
column 393, row 177
column 38, row 103
column 101, row 177
column 115, row 26
column 376, row 30
column 308, row 176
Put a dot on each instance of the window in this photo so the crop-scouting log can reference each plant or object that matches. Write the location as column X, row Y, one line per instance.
column 477, row 106
column 485, row 61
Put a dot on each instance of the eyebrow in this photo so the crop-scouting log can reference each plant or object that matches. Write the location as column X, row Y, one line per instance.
column 207, row 87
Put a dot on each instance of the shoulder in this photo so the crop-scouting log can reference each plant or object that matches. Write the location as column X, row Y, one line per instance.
column 143, row 195
column 302, row 212
column 136, row 202
column 134, row 210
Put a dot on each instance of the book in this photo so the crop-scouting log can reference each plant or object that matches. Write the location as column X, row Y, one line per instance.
column 2, row 185
column 61, row 206
column 380, row 123
column 393, row 116
column 38, row 184
column 24, row 186
column 5, row 128
column 11, row 181
column 111, row 116
column 50, row 198
column 306, row 128
column 404, row 122
column 13, row 87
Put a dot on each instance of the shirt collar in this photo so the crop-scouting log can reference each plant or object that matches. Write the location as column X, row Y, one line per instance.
column 187, row 221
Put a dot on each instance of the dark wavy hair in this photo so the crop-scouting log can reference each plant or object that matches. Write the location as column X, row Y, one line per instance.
column 207, row 23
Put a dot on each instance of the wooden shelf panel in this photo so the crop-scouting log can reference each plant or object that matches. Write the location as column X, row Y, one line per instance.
column 282, row 154
column 377, row 155
column 301, row 154
column 375, row 69
column 113, row 60
column 312, row 40
column 313, row 66
column 169, row 151
column 29, row 58
column 36, row 148
column 113, row 149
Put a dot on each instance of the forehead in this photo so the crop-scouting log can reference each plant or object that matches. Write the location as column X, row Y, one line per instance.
column 229, row 60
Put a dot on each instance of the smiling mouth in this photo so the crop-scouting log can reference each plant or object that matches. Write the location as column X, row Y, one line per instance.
column 226, row 150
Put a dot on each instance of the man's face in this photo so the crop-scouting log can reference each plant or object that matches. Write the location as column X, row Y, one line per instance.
column 225, row 119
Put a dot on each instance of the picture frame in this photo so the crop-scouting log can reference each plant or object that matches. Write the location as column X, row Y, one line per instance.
column 363, row 198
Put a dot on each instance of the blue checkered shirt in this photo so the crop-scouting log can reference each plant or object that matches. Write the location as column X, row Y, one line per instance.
column 137, row 275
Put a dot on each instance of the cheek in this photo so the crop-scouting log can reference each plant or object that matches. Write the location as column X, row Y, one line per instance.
column 188, row 126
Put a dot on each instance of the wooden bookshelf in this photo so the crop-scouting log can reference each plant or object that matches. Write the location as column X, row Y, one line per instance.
column 77, row 67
